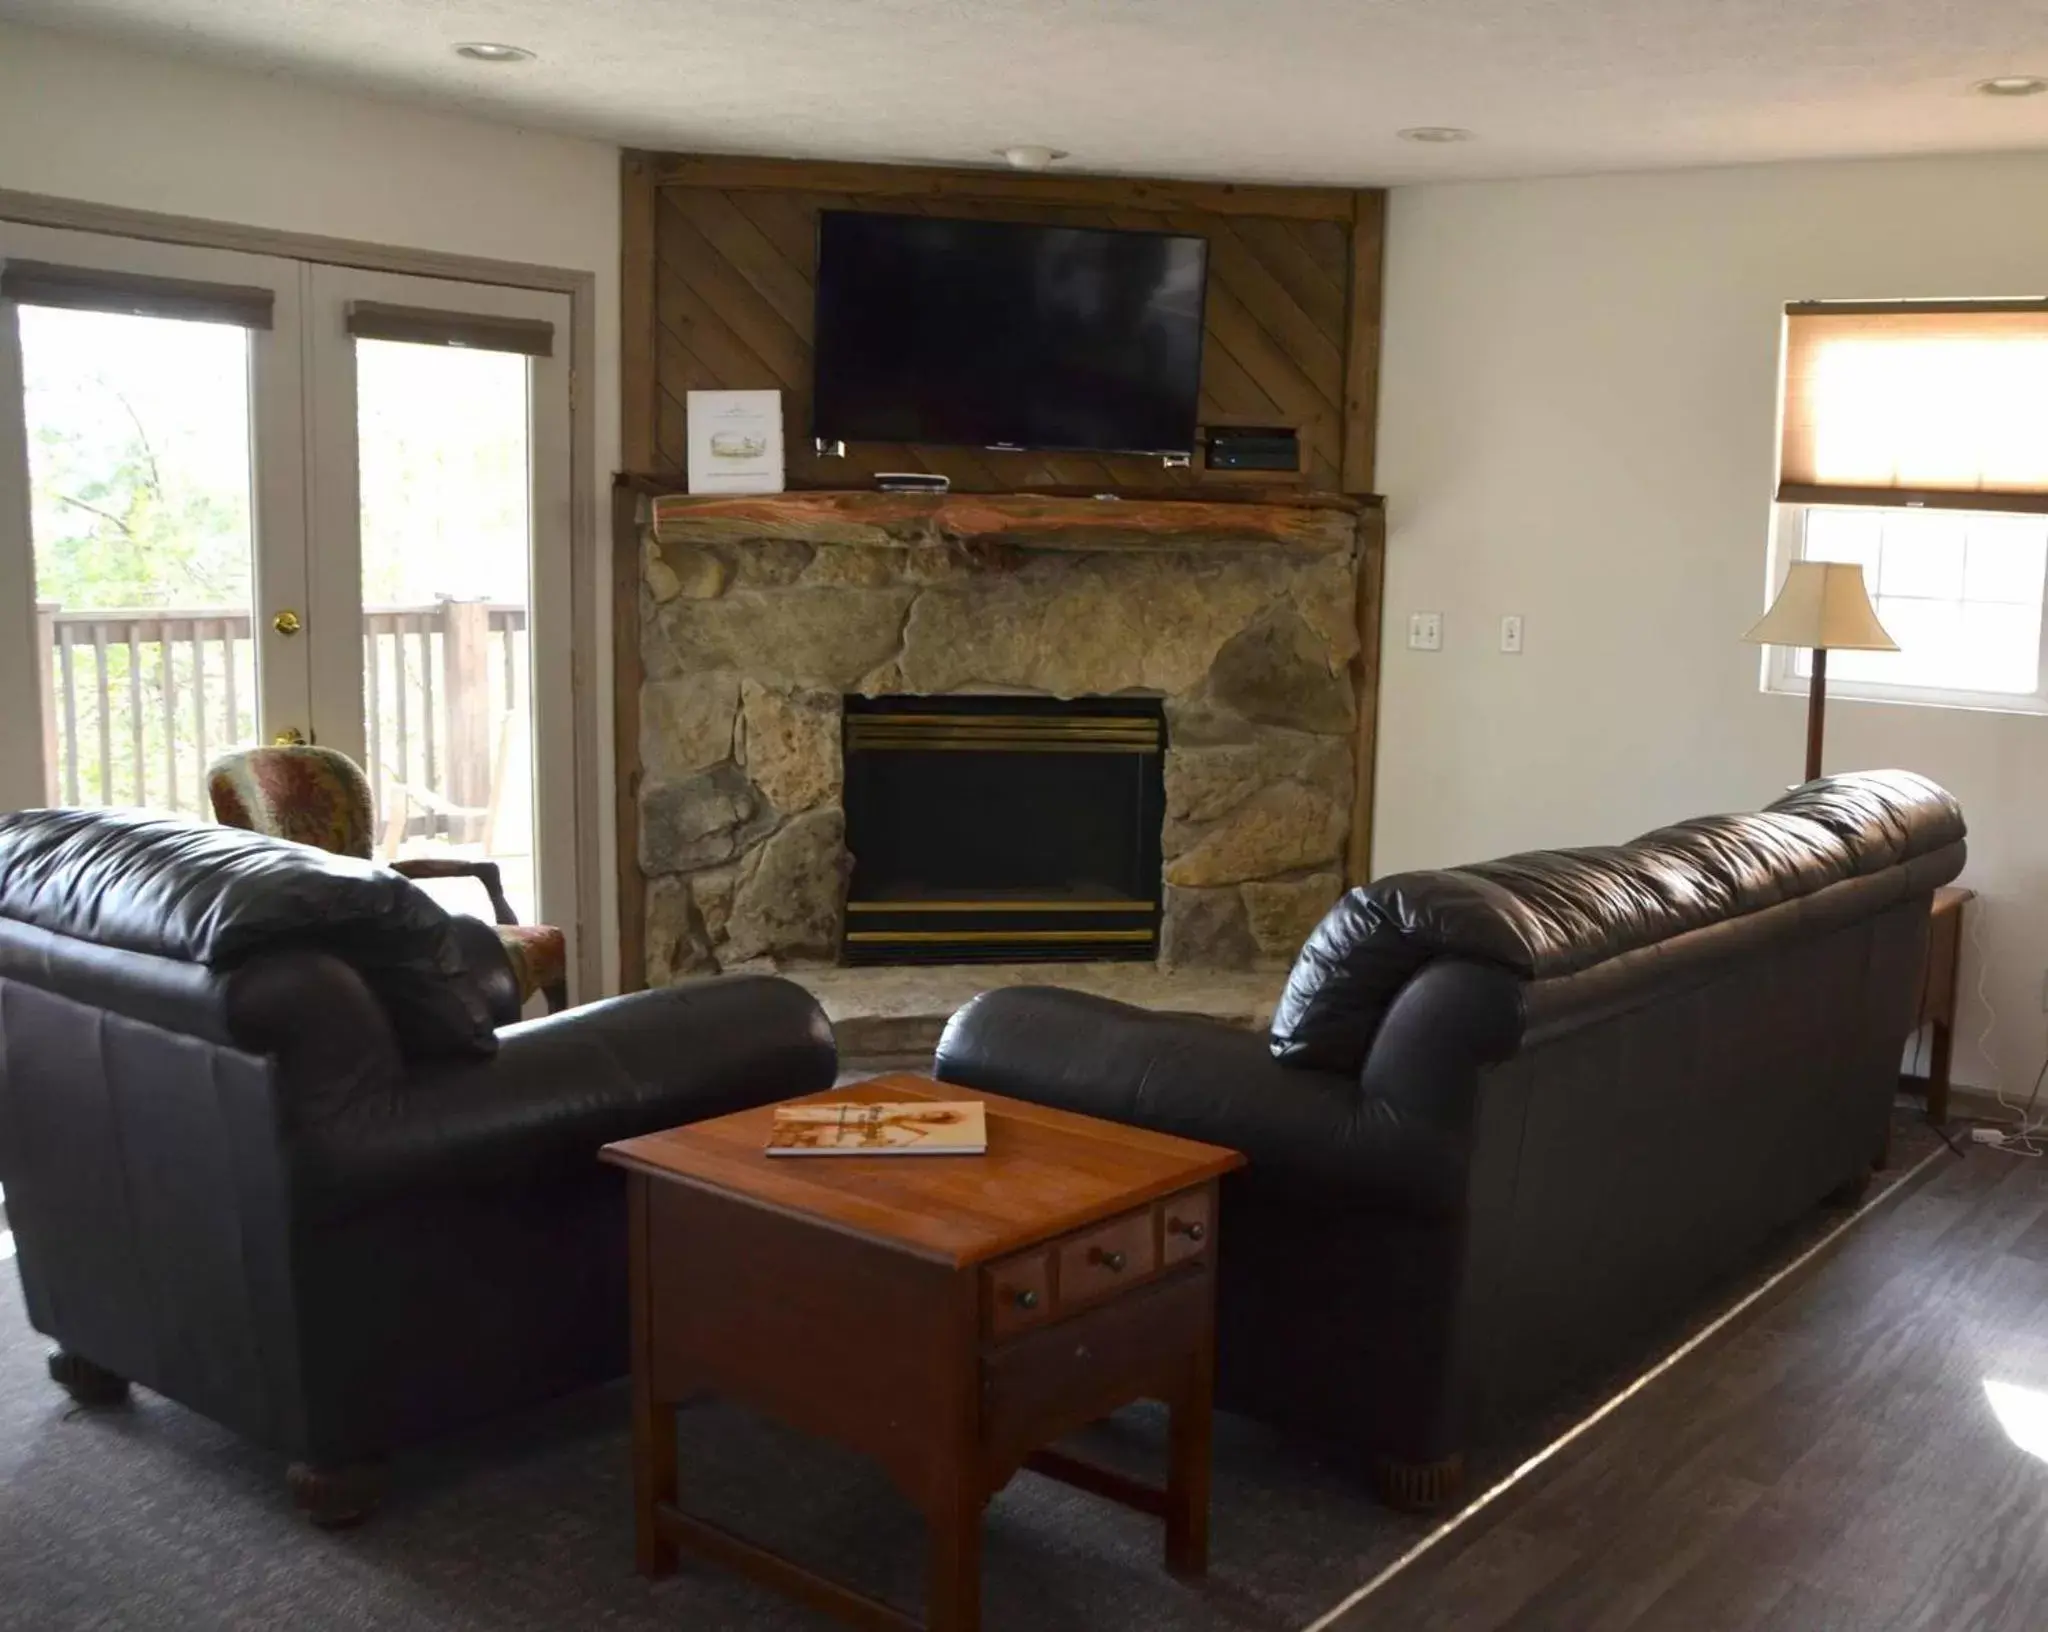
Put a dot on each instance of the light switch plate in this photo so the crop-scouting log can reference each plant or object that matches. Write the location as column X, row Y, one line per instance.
column 1511, row 633
column 1425, row 631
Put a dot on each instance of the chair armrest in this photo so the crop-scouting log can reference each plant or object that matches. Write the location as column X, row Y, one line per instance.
column 1307, row 1133
column 484, row 872
column 561, row 1088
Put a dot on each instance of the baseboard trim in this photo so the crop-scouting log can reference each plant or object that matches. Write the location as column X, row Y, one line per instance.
column 1486, row 1505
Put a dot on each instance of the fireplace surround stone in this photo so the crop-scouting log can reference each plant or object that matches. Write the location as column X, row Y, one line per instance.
column 757, row 615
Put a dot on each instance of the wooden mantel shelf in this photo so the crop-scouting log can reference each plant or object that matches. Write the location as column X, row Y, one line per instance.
column 1311, row 522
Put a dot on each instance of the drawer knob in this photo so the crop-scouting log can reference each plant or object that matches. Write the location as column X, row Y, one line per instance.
column 1193, row 1229
column 1112, row 1261
column 1026, row 1299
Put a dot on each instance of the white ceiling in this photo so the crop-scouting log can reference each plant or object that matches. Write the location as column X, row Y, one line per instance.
column 1279, row 90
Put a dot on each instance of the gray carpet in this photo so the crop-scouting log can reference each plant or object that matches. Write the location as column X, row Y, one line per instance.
column 149, row 1517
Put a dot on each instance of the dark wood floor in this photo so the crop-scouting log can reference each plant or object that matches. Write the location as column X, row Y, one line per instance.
column 1834, row 1466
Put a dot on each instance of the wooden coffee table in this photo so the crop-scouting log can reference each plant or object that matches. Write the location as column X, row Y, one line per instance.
column 949, row 1316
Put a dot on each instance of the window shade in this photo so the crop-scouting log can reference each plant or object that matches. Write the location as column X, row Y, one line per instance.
column 1911, row 402
column 89, row 289
column 421, row 326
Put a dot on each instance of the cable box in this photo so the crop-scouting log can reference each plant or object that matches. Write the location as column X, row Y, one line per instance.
column 1252, row 447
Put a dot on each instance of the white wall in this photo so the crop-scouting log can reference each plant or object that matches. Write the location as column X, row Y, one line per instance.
column 84, row 120
column 1578, row 424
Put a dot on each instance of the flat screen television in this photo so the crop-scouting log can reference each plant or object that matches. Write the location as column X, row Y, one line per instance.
column 1003, row 334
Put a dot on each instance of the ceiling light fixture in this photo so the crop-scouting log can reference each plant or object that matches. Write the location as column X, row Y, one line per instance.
column 490, row 51
column 1439, row 134
column 2012, row 85
column 1029, row 157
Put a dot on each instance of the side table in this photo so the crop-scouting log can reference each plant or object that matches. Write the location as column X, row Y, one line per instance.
column 949, row 1316
column 1938, row 997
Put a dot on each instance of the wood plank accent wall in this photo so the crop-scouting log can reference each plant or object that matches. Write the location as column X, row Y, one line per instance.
column 720, row 254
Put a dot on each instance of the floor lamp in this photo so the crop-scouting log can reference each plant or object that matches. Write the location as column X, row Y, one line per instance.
column 1825, row 607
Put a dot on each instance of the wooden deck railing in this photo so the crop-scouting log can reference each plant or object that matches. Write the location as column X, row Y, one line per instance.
column 139, row 701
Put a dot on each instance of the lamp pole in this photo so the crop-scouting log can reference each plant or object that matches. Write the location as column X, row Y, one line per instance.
column 1816, row 711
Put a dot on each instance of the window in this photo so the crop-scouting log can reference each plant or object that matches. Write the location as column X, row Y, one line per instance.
column 1959, row 590
column 1915, row 443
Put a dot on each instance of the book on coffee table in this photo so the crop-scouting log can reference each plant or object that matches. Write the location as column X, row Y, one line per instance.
column 909, row 1128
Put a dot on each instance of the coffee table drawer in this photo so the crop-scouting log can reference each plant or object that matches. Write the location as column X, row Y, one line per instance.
column 1108, row 1259
column 1016, row 1294
column 1186, row 1224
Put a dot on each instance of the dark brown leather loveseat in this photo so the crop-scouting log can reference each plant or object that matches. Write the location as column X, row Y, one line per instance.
column 1512, row 1116
column 268, row 1151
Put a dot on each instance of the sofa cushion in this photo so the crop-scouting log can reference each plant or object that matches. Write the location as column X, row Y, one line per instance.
column 218, row 896
column 1884, row 817
column 1550, row 913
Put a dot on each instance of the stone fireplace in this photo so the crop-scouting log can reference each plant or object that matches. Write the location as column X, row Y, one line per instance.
column 1233, row 627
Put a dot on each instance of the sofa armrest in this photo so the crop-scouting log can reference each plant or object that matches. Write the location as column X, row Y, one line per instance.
column 1307, row 1133
column 561, row 1088
column 1451, row 1020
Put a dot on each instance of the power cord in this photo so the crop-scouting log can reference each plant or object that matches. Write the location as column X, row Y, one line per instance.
column 2022, row 1142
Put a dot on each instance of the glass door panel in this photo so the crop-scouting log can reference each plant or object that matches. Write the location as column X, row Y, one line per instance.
column 152, row 515
column 140, row 520
column 442, row 580
column 444, row 476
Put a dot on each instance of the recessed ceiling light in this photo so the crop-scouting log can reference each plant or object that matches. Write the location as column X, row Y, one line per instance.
column 1434, row 133
column 1030, row 157
column 489, row 51
column 2012, row 85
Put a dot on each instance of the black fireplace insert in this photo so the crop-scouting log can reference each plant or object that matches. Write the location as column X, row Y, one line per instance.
column 1003, row 828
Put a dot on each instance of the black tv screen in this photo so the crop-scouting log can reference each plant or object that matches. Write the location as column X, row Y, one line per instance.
column 1002, row 334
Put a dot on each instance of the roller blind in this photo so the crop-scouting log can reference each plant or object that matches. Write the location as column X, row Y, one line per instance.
column 91, row 289
column 422, row 326
column 1916, row 403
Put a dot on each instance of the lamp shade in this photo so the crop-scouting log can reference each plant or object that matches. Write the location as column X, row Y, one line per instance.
column 1823, row 605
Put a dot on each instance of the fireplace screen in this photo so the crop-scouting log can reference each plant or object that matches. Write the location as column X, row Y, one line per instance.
column 1003, row 828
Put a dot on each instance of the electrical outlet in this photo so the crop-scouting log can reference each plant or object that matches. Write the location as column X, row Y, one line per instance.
column 1511, row 634
column 1425, row 631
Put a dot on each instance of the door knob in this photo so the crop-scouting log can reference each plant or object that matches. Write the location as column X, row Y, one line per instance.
column 287, row 622
column 290, row 737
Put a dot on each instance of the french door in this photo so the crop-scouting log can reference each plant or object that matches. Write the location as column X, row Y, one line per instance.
column 248, row 499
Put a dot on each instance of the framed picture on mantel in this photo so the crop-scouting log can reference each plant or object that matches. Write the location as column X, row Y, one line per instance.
column 735, row 441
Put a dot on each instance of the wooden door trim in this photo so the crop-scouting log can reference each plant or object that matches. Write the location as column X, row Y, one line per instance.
column 1372, row 575
column 639, row 379
column 629, row 494
column 1362, row 342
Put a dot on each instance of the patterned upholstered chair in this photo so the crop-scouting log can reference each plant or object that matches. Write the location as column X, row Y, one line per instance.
column 320, row 797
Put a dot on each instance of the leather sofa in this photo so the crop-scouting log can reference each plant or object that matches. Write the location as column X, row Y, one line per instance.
column 271, row 1149
column 1512, row 1117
